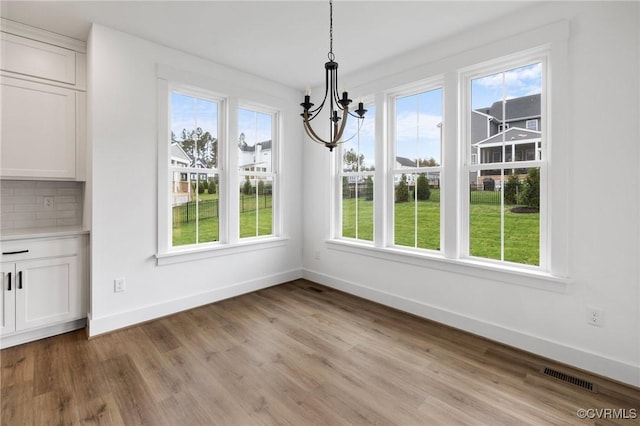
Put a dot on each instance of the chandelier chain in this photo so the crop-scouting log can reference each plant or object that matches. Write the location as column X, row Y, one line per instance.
column 331, row 55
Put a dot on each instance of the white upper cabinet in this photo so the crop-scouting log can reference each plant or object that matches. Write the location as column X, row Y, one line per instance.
column 42, row 91
column 33, row 58
column 38, row 130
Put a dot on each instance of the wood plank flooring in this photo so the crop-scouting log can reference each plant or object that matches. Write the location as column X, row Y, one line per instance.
column 298, row 353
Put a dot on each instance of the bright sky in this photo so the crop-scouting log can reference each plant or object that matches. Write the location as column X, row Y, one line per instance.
column 417, row 116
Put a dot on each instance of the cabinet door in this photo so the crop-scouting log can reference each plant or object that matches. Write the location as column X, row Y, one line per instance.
column 8, row 298
column 34, row 58
column 38, row 130
column 47, row 291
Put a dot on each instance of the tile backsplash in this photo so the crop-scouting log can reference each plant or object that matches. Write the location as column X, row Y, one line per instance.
column 22, row 204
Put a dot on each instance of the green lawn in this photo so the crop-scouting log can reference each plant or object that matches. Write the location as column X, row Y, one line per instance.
column 521, row 229
column 208, row 229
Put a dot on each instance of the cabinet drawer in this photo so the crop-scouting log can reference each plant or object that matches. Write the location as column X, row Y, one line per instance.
column 33, row 249
column 29, row 57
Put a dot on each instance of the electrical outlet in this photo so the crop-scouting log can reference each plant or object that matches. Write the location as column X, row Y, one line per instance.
column 119, row 285
column 595, row 317
column 48, row 203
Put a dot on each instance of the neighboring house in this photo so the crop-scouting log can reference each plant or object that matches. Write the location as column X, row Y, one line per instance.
column 255, row 158
column 181, row 190
column 407, row 163
column 518, row 135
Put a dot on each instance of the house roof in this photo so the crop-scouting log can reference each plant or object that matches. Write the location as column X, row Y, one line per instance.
column 406, row 162
column 178, row 153
column 511, row 135
column 516, row 108
column 264, row 145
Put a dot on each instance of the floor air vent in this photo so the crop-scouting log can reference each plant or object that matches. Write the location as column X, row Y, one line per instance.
column 567, row 378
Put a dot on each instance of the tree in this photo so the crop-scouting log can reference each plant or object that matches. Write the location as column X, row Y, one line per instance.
column 352, row 161
column 346, row 193
column 261, row 187
column 369, row 189
column 247, row 189
column 531, row 189
column 512, row 189
column 242, row 143
column 402, row 190
column 422, row 187
column 200, row 145
column 431, row 162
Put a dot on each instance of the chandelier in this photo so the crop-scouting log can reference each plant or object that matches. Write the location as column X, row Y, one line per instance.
column 337, row 105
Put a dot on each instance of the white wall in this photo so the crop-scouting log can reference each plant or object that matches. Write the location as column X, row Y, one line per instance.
column 601, row 106
column 122, row 132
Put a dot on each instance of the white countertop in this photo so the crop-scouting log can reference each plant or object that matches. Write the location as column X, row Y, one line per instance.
column 58, row 231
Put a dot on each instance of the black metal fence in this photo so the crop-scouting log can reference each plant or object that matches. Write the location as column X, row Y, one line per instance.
column 209, row 209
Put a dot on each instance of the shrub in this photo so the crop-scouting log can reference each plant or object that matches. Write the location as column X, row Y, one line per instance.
column 531, row 189
column 200, row 188
column 247, row 188
column 212, row 188
column 369, row 189
column 205, row 184
column 346, row 192
column 402, row 190
column 260, row 187
column 422, row 187
column 511, row 190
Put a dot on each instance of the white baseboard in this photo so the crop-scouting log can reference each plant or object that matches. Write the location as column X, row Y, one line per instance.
column 101, row 325
column 40, row 333
column 607, row 367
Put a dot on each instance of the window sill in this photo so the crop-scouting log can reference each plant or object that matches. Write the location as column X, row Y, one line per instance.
column 218, row 249
column 471, row 267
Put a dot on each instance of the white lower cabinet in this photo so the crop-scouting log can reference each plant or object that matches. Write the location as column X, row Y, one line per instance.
column 43, row 290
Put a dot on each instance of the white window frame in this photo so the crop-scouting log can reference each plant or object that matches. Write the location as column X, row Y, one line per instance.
column 552, row 39
column 275, row 149
column 410, row 90
column 368, row 103
column 169, row 78
column 465, row 77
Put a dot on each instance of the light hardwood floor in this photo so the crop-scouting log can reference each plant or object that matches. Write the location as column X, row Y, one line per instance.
column 298, row 353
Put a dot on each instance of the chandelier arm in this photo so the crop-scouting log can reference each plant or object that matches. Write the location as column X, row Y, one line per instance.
column 312, row 137
column 342, row 125
column 312, row 134
column 360, row 122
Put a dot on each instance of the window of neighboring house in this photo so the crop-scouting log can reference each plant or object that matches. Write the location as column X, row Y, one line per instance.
column 532, row 124
column 256, row 169
column 356, row 173
column 195, row 129
column 416, row 167
column 503, row 220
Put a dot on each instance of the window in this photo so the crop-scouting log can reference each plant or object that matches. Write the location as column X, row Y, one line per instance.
column 256, row 145
column 503, row 213
column 216, row 195
column 416, row 168
column 356, row 175
column 463, row 183
column 194, row 168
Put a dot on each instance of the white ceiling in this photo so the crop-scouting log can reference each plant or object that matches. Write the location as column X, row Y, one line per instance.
column 284, row 41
